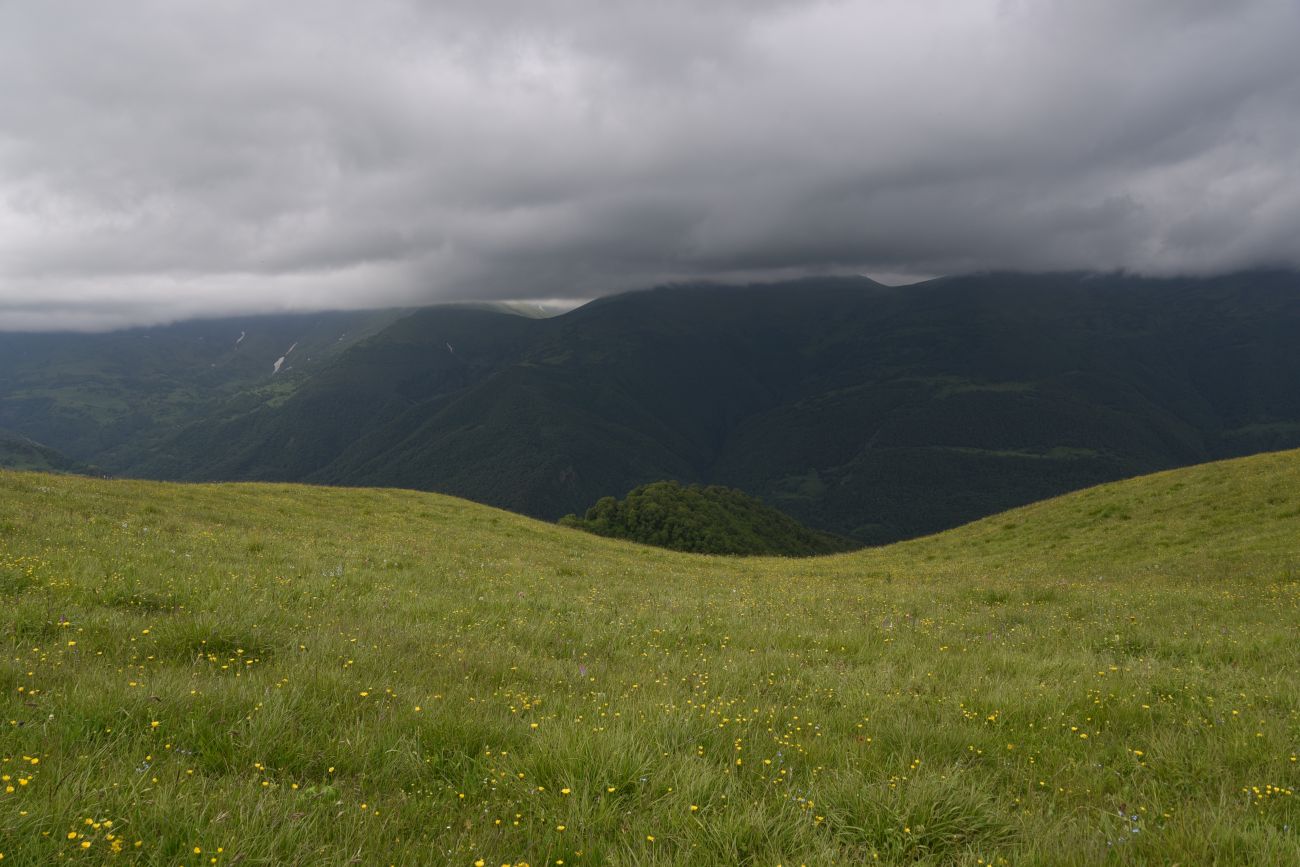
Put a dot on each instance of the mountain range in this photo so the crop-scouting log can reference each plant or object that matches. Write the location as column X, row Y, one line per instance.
column 868, row 411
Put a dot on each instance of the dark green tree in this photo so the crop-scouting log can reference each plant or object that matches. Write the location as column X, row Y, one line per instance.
column 703, row 520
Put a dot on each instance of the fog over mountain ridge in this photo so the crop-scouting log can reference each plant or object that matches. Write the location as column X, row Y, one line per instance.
column 159, row 161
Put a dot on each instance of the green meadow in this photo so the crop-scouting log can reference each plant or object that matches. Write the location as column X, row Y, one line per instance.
column 270, row 674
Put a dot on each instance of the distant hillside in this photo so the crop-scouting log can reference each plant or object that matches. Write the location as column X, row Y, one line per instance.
column 20, row 453
column 871, row 412
column 703, row 520
column 109, row 398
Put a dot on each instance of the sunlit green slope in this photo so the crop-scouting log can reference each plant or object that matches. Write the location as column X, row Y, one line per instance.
column 268, row 674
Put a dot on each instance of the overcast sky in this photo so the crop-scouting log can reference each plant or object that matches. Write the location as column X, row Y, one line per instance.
column 162, row 159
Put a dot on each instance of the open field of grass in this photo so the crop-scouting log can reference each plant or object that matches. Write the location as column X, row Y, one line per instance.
column 264, row 674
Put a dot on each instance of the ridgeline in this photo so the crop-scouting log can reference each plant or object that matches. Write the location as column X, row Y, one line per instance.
column 871, row 412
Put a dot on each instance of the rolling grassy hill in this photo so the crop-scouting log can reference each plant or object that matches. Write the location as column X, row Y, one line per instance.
column 257, row 674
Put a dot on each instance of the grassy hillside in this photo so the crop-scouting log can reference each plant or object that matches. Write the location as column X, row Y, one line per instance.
column 263, row 674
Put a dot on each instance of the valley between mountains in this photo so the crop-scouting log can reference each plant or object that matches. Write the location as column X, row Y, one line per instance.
column 870, row 412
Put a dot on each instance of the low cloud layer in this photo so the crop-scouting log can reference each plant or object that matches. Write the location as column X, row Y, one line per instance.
column 170, row 158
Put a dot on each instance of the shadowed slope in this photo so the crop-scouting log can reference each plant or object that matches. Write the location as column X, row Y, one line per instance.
column 20, row 453
column 867, row 411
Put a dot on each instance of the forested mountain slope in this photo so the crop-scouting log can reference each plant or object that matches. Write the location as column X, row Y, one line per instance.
column 868, row 411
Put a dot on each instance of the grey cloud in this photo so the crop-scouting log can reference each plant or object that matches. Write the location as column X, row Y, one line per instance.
column 166, row 159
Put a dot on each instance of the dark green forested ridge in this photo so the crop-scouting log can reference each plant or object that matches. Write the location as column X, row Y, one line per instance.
column 111, row 398
column 20, row 453
column 703, row 519
column 868, row 411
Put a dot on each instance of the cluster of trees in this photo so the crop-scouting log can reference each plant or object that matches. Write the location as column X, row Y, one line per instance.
column 704, row 520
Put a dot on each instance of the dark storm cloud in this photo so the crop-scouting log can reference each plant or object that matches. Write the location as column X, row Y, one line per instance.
column 163, row 159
